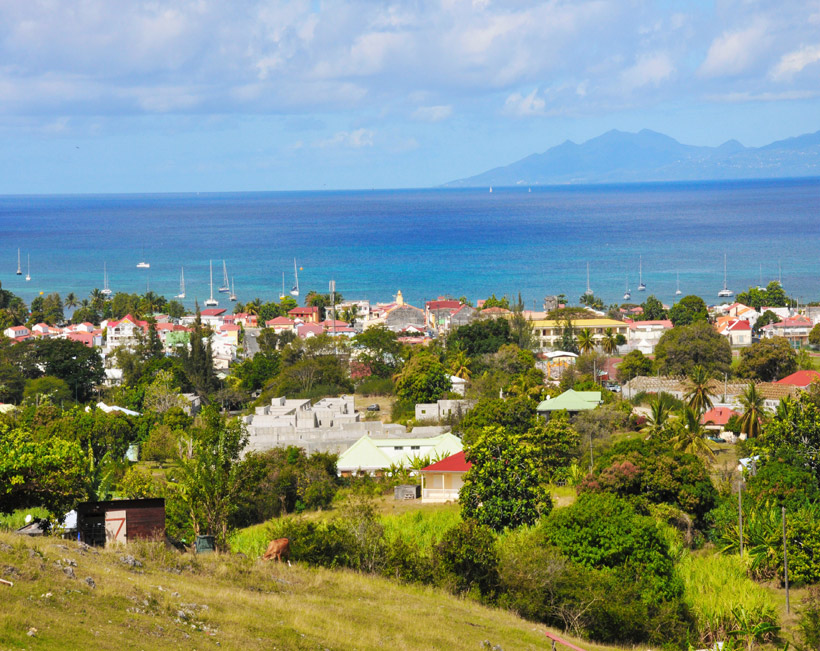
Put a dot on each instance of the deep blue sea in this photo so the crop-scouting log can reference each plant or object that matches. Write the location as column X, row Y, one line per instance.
column 425, row 243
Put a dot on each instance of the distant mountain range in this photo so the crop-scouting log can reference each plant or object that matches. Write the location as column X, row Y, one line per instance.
column 621, row 157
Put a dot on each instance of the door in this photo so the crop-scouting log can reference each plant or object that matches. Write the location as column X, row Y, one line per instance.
column 115, row 530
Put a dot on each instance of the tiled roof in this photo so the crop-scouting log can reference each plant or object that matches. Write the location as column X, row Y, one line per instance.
column 718, row 416
column 800, row 378
column 773, row 391
column 213, row 311
column 454, row 463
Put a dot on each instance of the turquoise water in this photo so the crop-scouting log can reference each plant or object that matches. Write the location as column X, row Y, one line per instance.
column 424, row 242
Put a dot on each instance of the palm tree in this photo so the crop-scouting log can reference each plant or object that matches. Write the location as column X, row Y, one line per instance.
column 97, row 299
column 460, row 365
column 753, row 411
column 700, row 393
column 585, row 341
column 252, row 307
column 608, row 342
column 660, row 409
column 71, row 300
column 691, row 436
column 786, row 409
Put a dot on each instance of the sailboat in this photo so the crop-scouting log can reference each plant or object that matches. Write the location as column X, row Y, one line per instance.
column 295, row 290
column 725, row 292
column 181, row 283
column 760, row 286
column 233, row 291
column 226, row 286
column 641, row 285
column 588, row 292
column 28, row 268
column 142, row 264
column 283, row 295
column 106, row 291
column 212, row 301
column 19, row 270
column 677, row 291
column 627, row 293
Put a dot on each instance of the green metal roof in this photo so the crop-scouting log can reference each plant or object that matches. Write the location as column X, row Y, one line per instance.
column 572, row 400
column 373, row 454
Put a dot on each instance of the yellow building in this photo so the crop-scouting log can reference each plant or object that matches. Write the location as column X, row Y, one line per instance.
column 549, row 331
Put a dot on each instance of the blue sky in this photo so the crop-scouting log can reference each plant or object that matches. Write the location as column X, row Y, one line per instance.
column 207, row 95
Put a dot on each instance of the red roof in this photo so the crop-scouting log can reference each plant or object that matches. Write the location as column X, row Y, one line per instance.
column 280, row 320
column 800, row 378
column 454, row 463
column 229, row 328
column 443, row 304
column 213, row 311
column 718, row 416
column 310, row 309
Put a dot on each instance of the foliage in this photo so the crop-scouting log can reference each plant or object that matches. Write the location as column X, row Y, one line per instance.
column 652, row 309
column 688, row 310
column 78, row 365
column 161, row 445
column 163, row 394
column 660, row 410
column 763, row 320
column 767, row 360
column 47, row 390
column 591, row 301
column 556, row 443
column 505, row 486
column 814, row 335
column 468, row 557
column 752, row 402
column 651, row 472
column 503, row 303
column 699, row 392
column 795, row 426
column 423, row 379
column 211, row 476
column 689, row 435
column 684, row 347
column 47, row 309
column 253, row 373
column 809, row 622
column 633, row 364
column 51, row 474
column 379, row 349
column 568, row 343
column 521, row 331
column 137, row 483
column 515, row 414
column 782, row 480
column 772, row 296
column 481, row 336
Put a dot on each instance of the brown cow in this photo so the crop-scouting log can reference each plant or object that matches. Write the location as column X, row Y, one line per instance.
column 278, row 549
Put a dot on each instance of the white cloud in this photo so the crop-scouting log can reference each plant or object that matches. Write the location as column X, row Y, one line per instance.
column 520, row 105
column 733, row 52
column 350, row 139
column 432, row 113
column 792, row 63
column 649, row 70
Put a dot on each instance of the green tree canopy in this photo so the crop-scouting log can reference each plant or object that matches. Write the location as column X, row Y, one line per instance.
column 773, row 296
column 633, row 364
column 688, row 310
column 423, row 379
column 481, row 336
column 767, row 360
column 684, row 347
column 379, row 349
column 503, row 303
column 652, row 309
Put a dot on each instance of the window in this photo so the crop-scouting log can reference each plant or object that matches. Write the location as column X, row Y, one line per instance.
column 415, row 447
column 398, row 447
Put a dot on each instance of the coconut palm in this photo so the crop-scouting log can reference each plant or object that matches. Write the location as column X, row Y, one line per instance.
column 700, row 393
column 660, row 409
column 753, row 411
column 97, row 299
column 460, row 365
column 252, row 307
column 71, row 300
column 608, row 342
column 786, row 409
column 586, row 343
column 691, row 435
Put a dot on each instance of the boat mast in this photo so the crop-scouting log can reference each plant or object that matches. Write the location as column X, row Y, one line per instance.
column 19, row 270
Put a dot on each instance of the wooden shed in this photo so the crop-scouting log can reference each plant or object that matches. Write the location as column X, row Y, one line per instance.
column 118, row 521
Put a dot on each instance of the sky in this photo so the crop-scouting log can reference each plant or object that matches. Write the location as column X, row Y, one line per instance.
column 267, row 95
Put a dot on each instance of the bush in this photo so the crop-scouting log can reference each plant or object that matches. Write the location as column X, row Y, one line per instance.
column 161, row 445
column 809, row 621
column 781, row 482
column 375, row 386
column 468, row 557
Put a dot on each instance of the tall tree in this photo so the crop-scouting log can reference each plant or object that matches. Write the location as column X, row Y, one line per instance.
column 586, row 343
column 688, row 310
column 690, row 435
column 752, row 402
column 767, row 360
column 684, row 347
column 608, row 342
column 699, row 393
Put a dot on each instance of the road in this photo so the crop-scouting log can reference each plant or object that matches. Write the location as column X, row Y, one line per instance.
column 251, row 345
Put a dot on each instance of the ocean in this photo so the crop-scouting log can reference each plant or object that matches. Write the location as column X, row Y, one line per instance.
column 426, row 243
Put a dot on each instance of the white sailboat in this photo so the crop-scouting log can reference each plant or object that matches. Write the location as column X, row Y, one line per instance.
column 627, row 293
column 295, row 290
column 760, row 286
column 725, row 292
column 211, row 302
column 181, row 283
column 677, row 291
column 283, row 295
column 106, row 291
column 142, row 264
column 226, row 286
column 19, row 270
column 588, row 292
column 641, row 285
column 28, row 268
column 233, row 291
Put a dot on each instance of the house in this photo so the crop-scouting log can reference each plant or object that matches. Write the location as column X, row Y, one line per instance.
column 570, row 401
column 738, row 331
column 307, row 330
column 212, row 316
column 20, row 333
column 645, row 335
column 307, row 314
column 464, row 315
column 795, row 329
column 554, row 363
column 494, row 313
column 800, row 379
column 337, row 328
column 124, row 332
column 120, row 521
column 374, row 456
column 442, row 409
column 90, row 339
column 550, row 331
column 442, row 481
column 715, row 420
column 404, row 315
column 280, row 324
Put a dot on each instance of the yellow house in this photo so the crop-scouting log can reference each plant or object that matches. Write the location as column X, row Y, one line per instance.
column 549, row 331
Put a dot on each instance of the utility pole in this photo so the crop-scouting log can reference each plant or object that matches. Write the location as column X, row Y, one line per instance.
column 785, row 558
column 333, row 312
column 740, row 511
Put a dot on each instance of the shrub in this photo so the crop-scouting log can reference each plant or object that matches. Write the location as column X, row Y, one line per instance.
column 809, row 621
column 782, row 482
column 375, row 386
column 468, row 557
column 161, row 445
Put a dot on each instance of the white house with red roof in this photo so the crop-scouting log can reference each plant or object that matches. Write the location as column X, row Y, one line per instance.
column 800, row 379
column 123, row 332
column 716, row 419
column 645, row 335
column 281, row 324
column 796, row 329
column 307, row 330
column 242, row 318
column 20, row 333
column 442, row 481
column 738, row 331
column 338, row 328
column 90, row 339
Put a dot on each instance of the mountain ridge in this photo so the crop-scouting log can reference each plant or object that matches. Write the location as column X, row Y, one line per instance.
column 625, row 157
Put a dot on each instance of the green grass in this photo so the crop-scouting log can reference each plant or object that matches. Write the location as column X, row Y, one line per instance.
column 179, row 601
column 15, row 520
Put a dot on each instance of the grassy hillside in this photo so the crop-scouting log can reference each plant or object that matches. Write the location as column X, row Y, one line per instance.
column 173, row 600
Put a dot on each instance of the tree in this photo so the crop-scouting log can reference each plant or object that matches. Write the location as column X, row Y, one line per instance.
column 211, row 477
column 699, row 392
column 468, row 555
column 608, row 343
column 814, row 335
column 47, row 390
column 78, row 365
column 568, row 343
column 423, row 379
column 515, row 414
column 753, row 403
column 684, row 347
column 163, row 394
column 767, row 360
column 586, row 343
column 660, row 409
column 690, row 436
column 503, row 303
column 521, row 330
column 504, row 487
column 634, row 363
column 481, row 336
column 12, row 383
column 591, row 301
column 765, row 319
column 773, row 296
column 460, row 365
column 688, row 310
column 653, row 309
column 379, row 349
